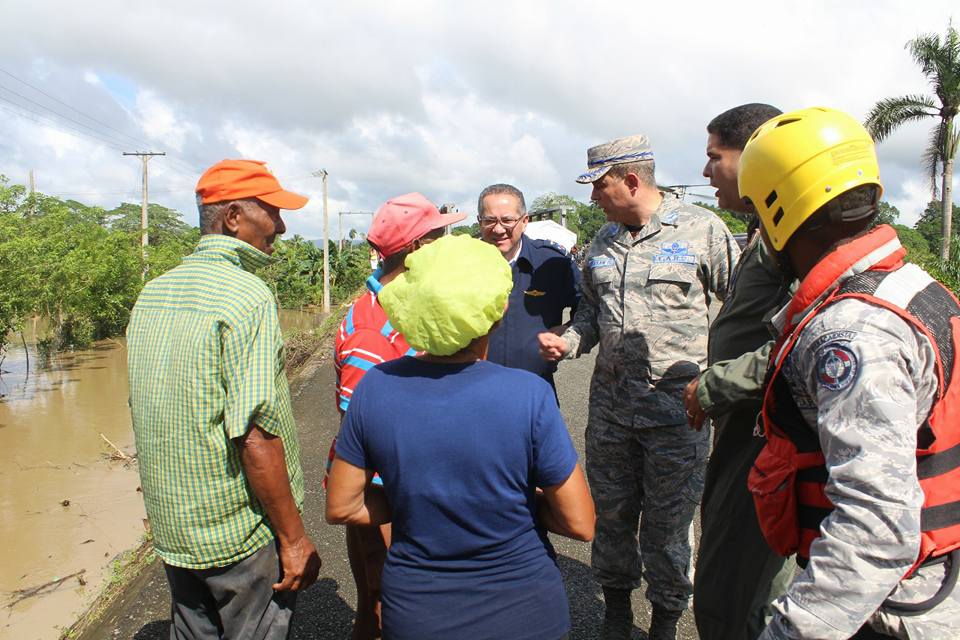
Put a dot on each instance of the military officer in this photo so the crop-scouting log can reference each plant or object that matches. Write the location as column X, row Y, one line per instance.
column 858, row 473
column 649, row 277
column 545, row 281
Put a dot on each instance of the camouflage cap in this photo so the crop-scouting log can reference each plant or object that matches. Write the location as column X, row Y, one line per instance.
column 603, row 156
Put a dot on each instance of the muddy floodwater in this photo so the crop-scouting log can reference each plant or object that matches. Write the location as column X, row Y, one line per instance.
column 68, row 501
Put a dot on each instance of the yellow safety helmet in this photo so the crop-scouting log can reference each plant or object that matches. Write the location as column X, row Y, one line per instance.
column 797, row 162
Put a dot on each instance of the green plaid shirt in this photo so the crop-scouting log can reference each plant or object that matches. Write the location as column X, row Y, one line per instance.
column 205, row 358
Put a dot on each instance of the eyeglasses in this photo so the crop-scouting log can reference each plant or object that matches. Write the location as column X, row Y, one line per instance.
column 506, row 223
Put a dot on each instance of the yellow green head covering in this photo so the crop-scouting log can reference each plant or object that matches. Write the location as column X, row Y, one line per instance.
column 453, row 291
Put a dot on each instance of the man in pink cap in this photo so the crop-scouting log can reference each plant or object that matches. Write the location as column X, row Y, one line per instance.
column 365, row 339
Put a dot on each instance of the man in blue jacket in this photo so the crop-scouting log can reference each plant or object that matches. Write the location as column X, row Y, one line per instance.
column 545, row 281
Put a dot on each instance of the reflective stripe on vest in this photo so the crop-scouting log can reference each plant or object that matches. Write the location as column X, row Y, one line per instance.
column 934, row 311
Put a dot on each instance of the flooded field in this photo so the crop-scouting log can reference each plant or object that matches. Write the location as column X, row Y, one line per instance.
column 67, row 503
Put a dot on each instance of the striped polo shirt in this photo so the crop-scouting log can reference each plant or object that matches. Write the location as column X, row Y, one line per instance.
column 205, row 360
column 365, row 339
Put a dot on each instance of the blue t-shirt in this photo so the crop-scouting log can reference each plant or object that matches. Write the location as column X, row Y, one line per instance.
column 461, row 448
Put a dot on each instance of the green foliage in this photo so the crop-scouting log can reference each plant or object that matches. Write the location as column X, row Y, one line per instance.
column 163, row 224
column 297, row 273
column 930, row 225
column 939, row 61
column 736, row 222
column 583, row 219
column 472, row 230
column 918, row 249
column 350, row 270
column 886, row 214
column 71, row 263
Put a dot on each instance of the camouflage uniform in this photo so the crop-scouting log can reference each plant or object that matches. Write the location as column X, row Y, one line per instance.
column 868, row 432
column 645, row 301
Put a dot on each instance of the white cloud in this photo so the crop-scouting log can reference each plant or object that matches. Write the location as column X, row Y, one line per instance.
column 442, row 98
column 160, row 122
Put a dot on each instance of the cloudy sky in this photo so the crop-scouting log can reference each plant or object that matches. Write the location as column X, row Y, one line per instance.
column 431, row 96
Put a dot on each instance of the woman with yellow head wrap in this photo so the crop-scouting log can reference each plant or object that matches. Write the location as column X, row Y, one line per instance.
column 476, row 461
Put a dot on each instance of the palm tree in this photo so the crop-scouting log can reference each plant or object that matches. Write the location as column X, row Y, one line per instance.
column 940, row 63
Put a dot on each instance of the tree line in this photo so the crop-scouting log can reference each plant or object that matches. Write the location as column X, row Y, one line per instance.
column 80, row 268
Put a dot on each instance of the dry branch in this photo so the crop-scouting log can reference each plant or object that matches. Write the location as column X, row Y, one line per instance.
column 22, row 594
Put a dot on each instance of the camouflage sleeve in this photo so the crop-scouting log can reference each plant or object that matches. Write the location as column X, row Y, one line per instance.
column 724, row 252
column 864, row 380
column 582, row 334
column 726, row 384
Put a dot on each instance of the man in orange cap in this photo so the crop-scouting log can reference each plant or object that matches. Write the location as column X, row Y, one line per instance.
column 365, row 339
column 218, row 453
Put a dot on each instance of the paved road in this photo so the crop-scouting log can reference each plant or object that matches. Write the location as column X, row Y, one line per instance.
column 325, row 611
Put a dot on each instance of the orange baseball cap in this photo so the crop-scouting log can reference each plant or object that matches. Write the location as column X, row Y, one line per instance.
column 403, row 219
column 237, row 179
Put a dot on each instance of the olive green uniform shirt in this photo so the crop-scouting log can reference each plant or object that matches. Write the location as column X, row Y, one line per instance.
column 740, row 342
column 205, row 360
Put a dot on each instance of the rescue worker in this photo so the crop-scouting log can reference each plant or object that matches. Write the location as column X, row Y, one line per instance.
column 857, row 475
column 732, row 604
column 650, row 275
column 545, row 282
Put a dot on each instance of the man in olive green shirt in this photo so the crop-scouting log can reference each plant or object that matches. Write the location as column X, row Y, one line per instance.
column 737, row 575
column 218, row 452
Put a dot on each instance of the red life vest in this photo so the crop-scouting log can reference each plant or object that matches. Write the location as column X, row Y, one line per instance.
column 789, row 476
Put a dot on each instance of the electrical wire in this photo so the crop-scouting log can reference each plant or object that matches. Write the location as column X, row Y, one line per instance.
column 72, row 108
column 100, row 135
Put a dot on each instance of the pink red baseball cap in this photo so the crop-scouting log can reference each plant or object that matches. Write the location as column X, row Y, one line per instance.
column 403, row 219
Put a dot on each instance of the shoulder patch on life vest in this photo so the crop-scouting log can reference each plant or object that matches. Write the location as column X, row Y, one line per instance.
column 601, row 261
column 837, row 366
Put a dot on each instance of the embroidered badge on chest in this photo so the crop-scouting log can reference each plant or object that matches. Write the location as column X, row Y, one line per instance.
column 675, row 252
column 837, row 367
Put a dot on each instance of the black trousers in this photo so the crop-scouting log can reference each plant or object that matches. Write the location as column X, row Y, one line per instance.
column 737, row 575
column 236, row 602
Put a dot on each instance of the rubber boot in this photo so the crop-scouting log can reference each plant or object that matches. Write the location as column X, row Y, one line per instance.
column 663, row 624
column 618, row 617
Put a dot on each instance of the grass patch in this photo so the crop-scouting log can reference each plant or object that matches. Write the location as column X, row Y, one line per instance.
column 123, row 569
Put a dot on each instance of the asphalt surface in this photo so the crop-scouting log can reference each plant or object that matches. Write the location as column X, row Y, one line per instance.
column 325, row 610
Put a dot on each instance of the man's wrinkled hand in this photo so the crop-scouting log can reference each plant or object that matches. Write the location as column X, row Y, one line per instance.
column 552, row 346
column 696, row 416
column 300, row 563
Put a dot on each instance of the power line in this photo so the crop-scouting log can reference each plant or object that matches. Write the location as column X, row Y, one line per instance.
column 97, row 134
column 67, row 118
column 72, row 108
column 46, row 120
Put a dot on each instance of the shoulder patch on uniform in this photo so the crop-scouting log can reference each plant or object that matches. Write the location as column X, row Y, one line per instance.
column 601, row 261
column 550, row 244
column 837, row 366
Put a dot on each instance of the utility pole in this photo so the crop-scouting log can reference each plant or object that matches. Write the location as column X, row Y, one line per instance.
column 33, row 202
column 144, row 240
column 322, row 173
